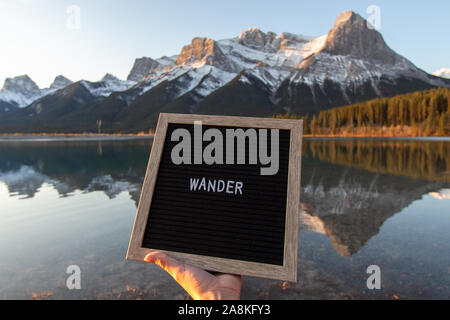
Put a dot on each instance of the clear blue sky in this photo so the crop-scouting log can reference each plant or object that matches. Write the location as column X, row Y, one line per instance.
column 35, row 38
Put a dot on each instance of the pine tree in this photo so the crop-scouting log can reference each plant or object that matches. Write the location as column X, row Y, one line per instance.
column 441, row 127
column 306, row 125
column 428, row 124
column 313, row 125
column 333, row 121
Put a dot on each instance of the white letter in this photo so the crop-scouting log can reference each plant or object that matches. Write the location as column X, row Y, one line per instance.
column 202, row 184
column 220, row 186
column 181, row 310
column 212, row 185
column 194, row 183
column 239, row 186
column 230, row 184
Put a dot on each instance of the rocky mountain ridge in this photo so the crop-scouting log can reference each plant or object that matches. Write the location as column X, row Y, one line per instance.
column 253, row 74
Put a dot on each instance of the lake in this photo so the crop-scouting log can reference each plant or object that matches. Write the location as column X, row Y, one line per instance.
column 383, row 202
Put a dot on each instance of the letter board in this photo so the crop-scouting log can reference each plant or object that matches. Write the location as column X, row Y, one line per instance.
column 222, row 193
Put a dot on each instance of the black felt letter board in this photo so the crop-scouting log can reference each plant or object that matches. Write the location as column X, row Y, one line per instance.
column 248, row 227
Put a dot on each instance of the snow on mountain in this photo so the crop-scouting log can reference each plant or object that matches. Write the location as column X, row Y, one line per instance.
column 110, row 186
column 339, row 69
column 141, row 68
column 63, row 92
column 251, row 49
column 216, row 79
column 152, row 80
column 218, row 62
column 202, row 79
column 107, row 85
column 25, row 181
column 268, row 56
column 146, row 66
column 291, row 54
column 60, row 82
column 19, row 91
column 443, row 73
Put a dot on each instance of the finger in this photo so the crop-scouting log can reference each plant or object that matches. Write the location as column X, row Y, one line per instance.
column 231, row 279
column 170, row 265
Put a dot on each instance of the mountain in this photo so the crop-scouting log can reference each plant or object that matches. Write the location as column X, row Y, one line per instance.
column 350, row 205
column 354, row 64
column 60, row 82
column 144, row 66
column 19, row 91
column 443, row 73
column 7, row 107
column 69, row 109
column 107, row 85
column 253, row 74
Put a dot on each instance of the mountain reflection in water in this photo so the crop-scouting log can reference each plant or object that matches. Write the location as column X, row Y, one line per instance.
column 350, row 188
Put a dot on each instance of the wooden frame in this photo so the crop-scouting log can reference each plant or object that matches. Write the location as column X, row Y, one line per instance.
column 288, row 271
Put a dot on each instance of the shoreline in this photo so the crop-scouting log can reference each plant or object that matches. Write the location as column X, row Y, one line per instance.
column 71, row 137
column 411, row 138
column 42, row 137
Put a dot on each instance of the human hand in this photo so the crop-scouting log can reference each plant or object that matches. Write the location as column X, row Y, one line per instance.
column 200, row 284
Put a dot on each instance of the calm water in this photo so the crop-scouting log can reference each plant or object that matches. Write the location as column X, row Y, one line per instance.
column 363, row 203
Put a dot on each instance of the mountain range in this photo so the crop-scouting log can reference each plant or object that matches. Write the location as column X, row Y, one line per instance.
column 253, row 74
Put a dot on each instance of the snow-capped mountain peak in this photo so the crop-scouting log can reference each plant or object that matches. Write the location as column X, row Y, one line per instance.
column 110, row 78
column 60, row 82
column 107, row 85
column 251, row 30
column 256, row 39
column 21, row 84
column 145, row 66
column 19, row 91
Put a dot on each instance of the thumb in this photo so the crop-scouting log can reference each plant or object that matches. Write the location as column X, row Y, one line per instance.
column 175, row 268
